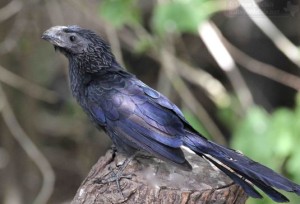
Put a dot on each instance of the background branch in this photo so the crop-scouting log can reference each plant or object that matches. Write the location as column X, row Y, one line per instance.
column 189, row 99
column 271, row 31
column 10, row 9
column 263, row 69
column 209, row 34
column 27, row 87
column 32, row 151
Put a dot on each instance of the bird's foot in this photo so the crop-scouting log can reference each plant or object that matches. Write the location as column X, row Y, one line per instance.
column 117, row 175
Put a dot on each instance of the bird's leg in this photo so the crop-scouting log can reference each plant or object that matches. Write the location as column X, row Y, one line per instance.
column 117, row 176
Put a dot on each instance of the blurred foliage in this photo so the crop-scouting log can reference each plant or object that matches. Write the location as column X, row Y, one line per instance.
column 273, row 136
column 182, row 15
column 273, row 139
column 195, row 122
column 120, row 12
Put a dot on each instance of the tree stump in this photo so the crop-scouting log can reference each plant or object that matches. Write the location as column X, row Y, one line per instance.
column 155, row 181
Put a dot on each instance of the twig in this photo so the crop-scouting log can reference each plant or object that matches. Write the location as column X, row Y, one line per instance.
column 261, row 68
column 210, row 36
column 12, row 37
column 114, row 42
column 271, row 31
column 189, row 99
column 215, row 89
column 32, row 151
column 10, row 9
column 196, row 76
column 27, row 87
column 164, row 84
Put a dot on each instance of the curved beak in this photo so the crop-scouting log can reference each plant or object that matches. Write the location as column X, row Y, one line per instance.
column 54, row 35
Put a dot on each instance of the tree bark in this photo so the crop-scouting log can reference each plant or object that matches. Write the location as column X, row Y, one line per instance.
column 155, row 181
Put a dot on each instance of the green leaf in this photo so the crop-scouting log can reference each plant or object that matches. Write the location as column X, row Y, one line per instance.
column 293, row 164
column 251, row 135
column 229, row 114
column 182, row 15
column 143, row 45
column 281, row 130
column 120, row 12
column 271, row 140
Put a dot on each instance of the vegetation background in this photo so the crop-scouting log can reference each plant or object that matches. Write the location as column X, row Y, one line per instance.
column 232, row 66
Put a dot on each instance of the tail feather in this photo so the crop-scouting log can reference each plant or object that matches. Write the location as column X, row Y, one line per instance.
column 248, row 188
column 239, row 167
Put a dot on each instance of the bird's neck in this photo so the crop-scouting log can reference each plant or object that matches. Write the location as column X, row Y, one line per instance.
column 81, row 73
column 76, row 77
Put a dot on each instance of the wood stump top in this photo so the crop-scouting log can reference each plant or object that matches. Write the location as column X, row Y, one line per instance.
column 155, row 181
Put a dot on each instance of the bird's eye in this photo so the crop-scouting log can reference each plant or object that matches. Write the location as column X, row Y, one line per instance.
column 72, row 38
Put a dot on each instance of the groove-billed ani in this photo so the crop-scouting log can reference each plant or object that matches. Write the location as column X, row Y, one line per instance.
column 136, row 117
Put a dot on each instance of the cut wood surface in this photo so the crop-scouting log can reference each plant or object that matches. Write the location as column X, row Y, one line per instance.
column 155, row 181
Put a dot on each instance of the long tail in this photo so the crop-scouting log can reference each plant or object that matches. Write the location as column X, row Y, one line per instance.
column 241, row 169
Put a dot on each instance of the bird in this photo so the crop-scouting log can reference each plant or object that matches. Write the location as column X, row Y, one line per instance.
column 139, row 118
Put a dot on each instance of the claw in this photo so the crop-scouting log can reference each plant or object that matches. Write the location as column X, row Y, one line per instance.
column 117, row 176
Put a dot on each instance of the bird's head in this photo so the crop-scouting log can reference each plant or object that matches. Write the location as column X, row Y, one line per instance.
column 80, row 45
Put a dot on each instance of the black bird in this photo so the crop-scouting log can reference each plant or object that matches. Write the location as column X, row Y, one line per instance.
column 136, row 117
